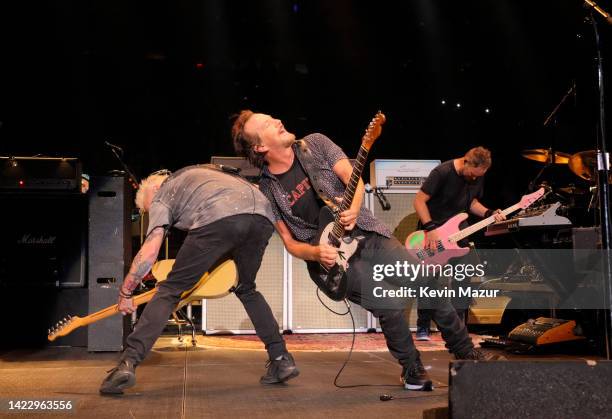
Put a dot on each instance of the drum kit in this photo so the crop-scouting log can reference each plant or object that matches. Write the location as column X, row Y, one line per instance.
column 583, row 164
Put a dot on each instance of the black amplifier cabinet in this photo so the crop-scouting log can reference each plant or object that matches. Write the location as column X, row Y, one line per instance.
column 43, row 265
column 43, row 240
column 110, row 254
column 40, row 174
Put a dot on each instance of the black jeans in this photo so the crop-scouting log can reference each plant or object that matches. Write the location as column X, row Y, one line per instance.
column 425, row 311
column 241, row 237
column 378, row 249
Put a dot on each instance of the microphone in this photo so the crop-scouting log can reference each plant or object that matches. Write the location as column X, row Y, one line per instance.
column 116, row 147
column 382, row 199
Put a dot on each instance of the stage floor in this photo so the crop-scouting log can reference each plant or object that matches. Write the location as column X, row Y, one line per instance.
column 210, row 381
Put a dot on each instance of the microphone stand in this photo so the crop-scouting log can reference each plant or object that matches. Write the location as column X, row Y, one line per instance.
column 133, row 180
column 552, row 117
column 603, row 162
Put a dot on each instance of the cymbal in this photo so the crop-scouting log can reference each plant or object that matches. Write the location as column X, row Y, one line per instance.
column 584, row 165
column 545, row 156
column 572, row 190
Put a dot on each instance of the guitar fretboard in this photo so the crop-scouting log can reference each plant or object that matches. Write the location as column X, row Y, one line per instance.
column 349, row 192
column 462, row 234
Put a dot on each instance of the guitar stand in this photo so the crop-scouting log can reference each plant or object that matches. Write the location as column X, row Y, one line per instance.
column 180, row 319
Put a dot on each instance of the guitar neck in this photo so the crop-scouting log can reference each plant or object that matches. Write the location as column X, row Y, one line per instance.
column 351, row 187
column 114, row 309
column 468, row 231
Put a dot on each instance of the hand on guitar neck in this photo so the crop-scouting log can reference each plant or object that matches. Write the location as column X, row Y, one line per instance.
column 126, row 305
column 348, row 218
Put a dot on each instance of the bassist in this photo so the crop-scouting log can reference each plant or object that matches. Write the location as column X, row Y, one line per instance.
column 452, row 187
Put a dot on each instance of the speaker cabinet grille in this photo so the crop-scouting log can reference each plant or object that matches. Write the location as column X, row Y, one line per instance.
column 307, row 312
column 402, row 220
column 228, row 315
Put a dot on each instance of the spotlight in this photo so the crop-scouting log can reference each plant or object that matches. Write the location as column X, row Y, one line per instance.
column 458, row 105
column 443, row 102
column 487, row 110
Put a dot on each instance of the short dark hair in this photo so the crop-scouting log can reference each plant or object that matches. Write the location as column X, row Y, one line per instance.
column 478, row 157
column 243, row 145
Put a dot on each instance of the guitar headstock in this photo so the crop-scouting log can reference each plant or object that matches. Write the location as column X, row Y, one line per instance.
column 64, row 327
column 527, row 200
column 373, row 131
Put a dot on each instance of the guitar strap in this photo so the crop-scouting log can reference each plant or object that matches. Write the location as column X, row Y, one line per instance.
column 305, row 158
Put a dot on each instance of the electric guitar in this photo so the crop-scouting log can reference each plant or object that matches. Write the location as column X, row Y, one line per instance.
column 218, row 283
column 333, row 281
column 449, row 234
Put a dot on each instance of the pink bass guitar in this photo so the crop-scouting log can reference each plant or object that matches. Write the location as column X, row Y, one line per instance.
column 449, row 234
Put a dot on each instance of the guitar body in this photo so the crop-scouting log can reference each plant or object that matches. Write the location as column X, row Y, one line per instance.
column 214, row 284
column 446, row 250
column 332, row 282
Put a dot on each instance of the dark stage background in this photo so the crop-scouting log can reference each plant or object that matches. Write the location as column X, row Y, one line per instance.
column 161, row 78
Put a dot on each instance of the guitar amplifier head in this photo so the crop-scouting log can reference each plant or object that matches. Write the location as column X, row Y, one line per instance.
column 400, row 174
column 40, row 173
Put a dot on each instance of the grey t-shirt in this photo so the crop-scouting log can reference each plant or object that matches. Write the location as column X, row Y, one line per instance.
column 198, row 195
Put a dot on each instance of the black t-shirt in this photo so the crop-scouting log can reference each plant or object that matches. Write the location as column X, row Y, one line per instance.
column 304, row 202
column 450, row 193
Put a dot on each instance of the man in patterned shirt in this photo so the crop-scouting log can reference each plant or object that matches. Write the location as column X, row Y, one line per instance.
column 289, row 187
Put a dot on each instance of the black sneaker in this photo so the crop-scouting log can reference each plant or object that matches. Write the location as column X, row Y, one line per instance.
column 415, row 377
column 477, row 354
column 120, row 378
column 422, row 333
column 280, row 370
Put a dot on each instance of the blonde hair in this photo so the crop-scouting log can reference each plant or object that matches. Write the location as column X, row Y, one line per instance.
column 146, row 184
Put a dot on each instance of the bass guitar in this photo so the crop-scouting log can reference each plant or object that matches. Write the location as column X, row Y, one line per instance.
column 449, row 235
column 333, row 281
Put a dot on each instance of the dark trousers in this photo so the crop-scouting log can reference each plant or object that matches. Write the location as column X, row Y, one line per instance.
column 377, row 249
column 241, row 237
column 426, row 308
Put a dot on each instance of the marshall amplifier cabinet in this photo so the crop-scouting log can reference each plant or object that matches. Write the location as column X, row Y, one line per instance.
column 43, row 265
column 40, row 174
column 43, row 240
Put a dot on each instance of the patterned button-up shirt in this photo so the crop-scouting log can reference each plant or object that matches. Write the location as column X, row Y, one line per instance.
column 325, row 154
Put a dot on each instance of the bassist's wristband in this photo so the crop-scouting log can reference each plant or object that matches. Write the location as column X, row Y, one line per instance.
column 429, row 226
column 125, row 295
column 488, row 213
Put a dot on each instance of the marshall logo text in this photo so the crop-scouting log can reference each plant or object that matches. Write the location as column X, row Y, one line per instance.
column 30, row 239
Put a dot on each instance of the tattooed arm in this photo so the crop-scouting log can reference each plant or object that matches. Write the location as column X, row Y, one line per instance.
column 141, row 265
